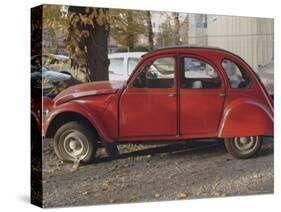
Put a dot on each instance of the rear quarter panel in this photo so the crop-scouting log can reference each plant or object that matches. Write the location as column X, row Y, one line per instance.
column 245, row 114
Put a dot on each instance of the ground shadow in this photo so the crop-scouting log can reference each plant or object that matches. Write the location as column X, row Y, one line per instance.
column 199, row 147
column 194, row 146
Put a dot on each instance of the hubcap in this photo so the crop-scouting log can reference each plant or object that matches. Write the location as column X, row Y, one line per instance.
column 75, row 145
column 245, row 144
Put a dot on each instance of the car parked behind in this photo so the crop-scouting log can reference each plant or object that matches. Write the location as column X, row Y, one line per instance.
column 122, row 64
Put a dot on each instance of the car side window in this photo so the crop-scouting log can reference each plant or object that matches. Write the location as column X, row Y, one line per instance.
column 237, row 77
column 159, row 73
column 197, row 74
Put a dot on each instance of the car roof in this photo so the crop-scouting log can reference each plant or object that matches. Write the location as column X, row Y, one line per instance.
column 126, row 54
column 191, row 47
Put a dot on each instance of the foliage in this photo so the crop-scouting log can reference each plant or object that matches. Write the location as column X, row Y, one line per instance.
column 87, row 41
column 83, row 28
column 140, row 48
column 165, row 36
column 54, row 17
column 54, row 23
column 149, row 30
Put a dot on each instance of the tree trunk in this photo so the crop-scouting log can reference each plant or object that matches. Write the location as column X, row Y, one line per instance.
column 149, row 30
column 97, row 49
column 185, row 27
column 177, row 29
column 91, row 58
column 130, row 34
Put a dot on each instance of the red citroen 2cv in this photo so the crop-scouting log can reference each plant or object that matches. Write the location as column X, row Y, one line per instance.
column 174, row 94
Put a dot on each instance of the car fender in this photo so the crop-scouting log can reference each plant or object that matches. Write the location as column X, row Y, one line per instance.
column 245, row 117
column 82, row 110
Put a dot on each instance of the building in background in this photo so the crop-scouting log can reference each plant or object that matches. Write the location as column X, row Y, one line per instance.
column 250, row 38
column 198, row 30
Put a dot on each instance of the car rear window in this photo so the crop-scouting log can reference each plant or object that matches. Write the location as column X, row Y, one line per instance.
column 237, row 77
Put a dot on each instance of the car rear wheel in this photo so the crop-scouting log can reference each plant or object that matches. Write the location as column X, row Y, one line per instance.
column 243, row 147
column 75, row 141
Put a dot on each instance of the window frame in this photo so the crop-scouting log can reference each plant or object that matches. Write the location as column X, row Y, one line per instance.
column 145, row 62
column 201, row 59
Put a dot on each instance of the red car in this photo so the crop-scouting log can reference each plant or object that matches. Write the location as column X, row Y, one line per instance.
column 174, row 94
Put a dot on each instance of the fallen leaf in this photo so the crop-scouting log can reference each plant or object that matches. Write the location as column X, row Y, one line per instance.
column 85, row 192
column 133, row 198
column 157, row 195
column 75, row 166
column 105, row 184
column 219, row 194
column 181, row 195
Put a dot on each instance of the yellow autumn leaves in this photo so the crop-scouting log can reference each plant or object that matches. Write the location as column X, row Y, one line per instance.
column 101, row 17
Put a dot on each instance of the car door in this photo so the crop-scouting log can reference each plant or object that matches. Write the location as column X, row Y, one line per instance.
column 202, row 94
column 148, row 106
column 116, row 69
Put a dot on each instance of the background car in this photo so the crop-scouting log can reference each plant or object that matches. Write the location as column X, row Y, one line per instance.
column 51, row 73
column 266, row 74
column 52, row 61
column 122, row 64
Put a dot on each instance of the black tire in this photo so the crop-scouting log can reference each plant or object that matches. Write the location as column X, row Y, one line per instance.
column 75, row 141
column 252, row 146
column 111, row 149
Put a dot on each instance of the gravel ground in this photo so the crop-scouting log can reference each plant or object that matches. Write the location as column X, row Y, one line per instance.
column 155, row 173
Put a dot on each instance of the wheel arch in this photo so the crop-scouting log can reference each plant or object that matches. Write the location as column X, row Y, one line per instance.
column 65, row 117
column 245, row 118
column 74, row 112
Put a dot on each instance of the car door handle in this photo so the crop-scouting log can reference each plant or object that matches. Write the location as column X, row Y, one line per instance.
column 172, row 94
column 221, row 94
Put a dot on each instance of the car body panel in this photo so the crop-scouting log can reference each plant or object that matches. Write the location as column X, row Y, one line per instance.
column 207, row 104
column 258, row 121
column 93, row 110
column 137, row 107
column 121, row 113
column 88, row 89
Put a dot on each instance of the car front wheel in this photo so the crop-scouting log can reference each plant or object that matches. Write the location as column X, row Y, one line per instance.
column 243, row 147
column 75, row 141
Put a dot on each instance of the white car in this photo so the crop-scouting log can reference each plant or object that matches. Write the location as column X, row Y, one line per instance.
column 122, row 64
column 266, row 74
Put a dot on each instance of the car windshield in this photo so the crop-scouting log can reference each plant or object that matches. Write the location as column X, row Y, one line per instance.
column 163, row 67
